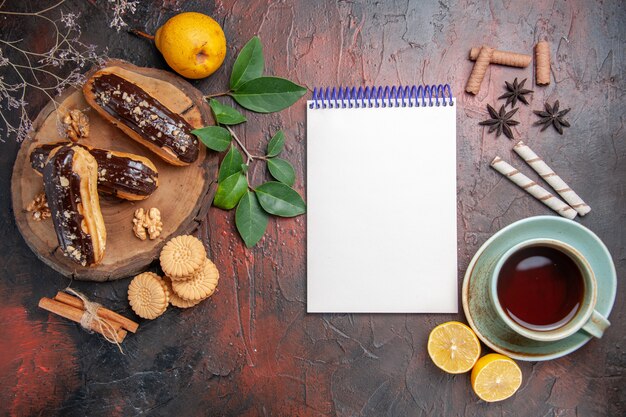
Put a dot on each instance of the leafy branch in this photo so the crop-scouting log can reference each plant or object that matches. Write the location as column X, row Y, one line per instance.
column 262, row 94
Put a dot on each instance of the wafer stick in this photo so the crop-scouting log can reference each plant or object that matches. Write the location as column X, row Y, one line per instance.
column 532, row 188
column 551, row 178
column 478, row 72
column 511, row 59
column 542, row 63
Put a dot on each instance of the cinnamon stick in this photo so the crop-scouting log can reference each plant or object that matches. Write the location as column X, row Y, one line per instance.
column 75, row 314
column 103, row 313
column 511, row 59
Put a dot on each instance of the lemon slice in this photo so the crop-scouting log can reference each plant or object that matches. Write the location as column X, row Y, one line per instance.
column 453, row 347
column 496, row 377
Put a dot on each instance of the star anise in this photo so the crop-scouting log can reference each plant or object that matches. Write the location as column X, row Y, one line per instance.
column 552, row 116
column 515, row 92
column 500, row 121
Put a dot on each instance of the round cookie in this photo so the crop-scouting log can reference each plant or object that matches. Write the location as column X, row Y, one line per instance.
column 182, row 256
column 201, row 285
column 175, row 299
column 148, row 295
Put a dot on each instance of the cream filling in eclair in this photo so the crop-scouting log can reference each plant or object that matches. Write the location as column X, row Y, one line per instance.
column 86, row 167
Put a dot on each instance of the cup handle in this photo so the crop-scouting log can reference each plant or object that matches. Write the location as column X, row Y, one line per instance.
column 596, row 325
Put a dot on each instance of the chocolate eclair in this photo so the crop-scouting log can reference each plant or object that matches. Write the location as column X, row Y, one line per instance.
column 124, row 175
column 70, row 178
column 142, row 117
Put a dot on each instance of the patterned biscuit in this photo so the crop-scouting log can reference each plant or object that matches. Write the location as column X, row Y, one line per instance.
column 175, row 299
column 148, row 295
column 201, row 285
column 182, row 256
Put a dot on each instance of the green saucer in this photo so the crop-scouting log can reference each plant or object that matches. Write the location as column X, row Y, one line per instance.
column 482, row 316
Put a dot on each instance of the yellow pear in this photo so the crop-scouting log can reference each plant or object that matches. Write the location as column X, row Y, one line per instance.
column 193, row 44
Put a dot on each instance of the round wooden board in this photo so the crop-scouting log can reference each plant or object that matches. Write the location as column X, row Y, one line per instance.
column 183, row 197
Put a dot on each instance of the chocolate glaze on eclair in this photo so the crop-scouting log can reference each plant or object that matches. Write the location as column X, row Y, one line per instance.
column 124, row 175
column 142, row 117
column 70, row 183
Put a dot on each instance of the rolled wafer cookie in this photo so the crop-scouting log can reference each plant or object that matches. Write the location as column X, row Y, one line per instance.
column 511, row 59
column 542, row 63
column 551, row 178
column 532, row 188
column 479, row 70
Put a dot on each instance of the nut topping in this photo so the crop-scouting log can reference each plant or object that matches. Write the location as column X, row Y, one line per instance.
column 76, row 125
column 39, row 208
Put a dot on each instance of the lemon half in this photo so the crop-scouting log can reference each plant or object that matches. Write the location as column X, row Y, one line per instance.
column 453, row 347
column 496, row 377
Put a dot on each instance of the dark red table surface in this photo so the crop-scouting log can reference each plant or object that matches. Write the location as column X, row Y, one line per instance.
column 252, row 349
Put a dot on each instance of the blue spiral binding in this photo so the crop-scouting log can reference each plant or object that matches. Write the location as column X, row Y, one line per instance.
column 379, row 96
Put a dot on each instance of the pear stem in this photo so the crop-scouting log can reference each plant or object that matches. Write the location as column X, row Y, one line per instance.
column 137, row 32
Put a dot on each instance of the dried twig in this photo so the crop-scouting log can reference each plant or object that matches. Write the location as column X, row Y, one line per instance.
column 50, row 72
column 120, row 8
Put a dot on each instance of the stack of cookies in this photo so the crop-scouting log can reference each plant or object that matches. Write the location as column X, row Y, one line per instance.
column 190, row 277
column 148, row 295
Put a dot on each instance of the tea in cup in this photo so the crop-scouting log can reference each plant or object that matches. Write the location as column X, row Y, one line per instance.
column 545, row 290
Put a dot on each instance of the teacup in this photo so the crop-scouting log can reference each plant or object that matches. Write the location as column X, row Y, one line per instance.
column 545, row 290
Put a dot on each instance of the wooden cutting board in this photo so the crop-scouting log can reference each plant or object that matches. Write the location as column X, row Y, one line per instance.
column 183, row 197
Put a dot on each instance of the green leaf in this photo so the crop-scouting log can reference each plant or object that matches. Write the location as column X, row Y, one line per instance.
column 276, row 144
column 230, row 191
column 249, row 63
column 244, row 168
column 224, row 114
column 282, row 170
column 279, row 199
column 268, row 94
column 250, row 219
column 231, row 164
column 214, row 137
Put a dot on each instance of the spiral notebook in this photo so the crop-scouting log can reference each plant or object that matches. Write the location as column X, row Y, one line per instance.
column 381, row 200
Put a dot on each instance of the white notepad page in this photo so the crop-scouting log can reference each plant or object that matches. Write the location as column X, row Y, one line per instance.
column 381, row 210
